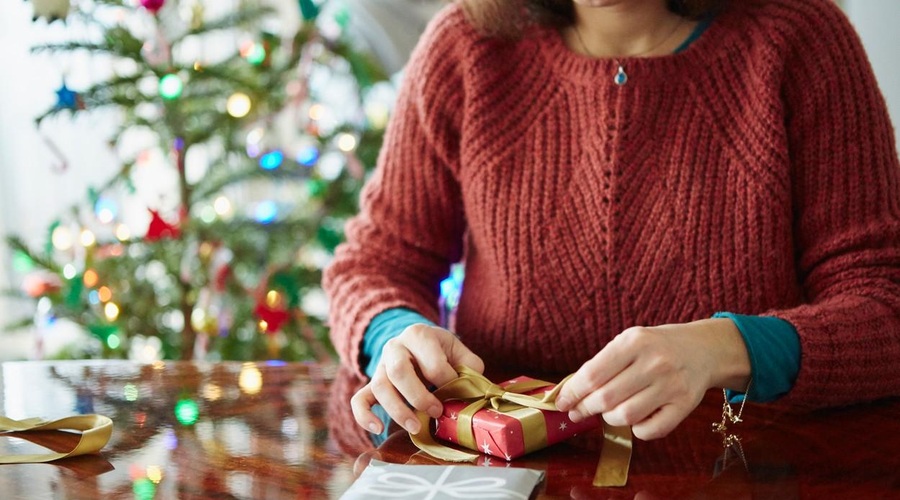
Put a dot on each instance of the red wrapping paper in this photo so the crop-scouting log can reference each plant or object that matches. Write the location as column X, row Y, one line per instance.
column 501, row 435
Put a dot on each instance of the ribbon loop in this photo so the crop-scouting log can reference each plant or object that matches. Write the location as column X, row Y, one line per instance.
column 474, row 388
column 95, row 433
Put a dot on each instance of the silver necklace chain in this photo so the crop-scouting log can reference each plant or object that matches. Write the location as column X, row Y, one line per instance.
column 621, row 78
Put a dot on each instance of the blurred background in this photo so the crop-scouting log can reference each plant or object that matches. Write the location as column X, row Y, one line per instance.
column 174, row 174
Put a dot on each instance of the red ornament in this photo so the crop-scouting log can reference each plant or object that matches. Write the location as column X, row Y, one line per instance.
column 40, row 283
column 160, row 229
column 274, row 318
column 153, row 5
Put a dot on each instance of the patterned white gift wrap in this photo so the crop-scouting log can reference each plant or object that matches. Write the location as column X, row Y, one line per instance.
column 382, row 480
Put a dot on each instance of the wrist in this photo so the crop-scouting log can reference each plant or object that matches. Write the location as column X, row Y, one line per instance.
column 730, row 362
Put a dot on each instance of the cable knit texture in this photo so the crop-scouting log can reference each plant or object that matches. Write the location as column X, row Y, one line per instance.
column 755, row 172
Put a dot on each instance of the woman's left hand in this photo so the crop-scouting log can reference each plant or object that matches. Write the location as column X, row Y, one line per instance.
column 651, row 378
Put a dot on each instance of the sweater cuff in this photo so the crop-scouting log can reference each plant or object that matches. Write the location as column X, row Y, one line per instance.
column 385, row 326
column 774, row 348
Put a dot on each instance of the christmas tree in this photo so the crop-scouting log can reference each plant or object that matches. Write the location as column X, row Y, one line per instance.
column 284, row 126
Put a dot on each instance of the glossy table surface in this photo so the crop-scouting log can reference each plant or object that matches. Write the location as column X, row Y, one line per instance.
column 260, row 430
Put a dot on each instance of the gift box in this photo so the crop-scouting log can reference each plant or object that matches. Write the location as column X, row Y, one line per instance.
column 511, row 430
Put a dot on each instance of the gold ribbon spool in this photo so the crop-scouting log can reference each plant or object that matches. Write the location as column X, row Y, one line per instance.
column 95, row 433
column 615, row 457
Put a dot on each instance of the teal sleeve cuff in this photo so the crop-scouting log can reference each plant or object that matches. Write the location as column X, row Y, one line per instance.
column 774, row 348
column 387, row 325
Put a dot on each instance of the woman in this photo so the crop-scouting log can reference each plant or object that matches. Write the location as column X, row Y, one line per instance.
column 661, row 196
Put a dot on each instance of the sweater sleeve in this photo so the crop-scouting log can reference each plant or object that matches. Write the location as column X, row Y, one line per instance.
column 846, row 190
column 411, row 224
column 383, row 328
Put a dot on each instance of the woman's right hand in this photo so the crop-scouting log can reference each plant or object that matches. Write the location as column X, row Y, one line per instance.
column 422, row 355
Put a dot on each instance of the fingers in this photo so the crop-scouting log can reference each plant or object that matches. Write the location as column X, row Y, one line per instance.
column 613, row 395
column 661, row 423
column 420, row 352
column 361, row 403
column 400, row 363
column 612, row 359
column 459, row 354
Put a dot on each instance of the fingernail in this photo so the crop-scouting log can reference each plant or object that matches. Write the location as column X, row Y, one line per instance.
column 562, row 404
column 412, row 425
column 434, row 411
column 373, row 427
column 575, row 416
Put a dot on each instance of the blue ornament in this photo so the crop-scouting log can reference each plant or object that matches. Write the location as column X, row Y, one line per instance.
column 66, row 98
column 308, row 156
column 271, row 160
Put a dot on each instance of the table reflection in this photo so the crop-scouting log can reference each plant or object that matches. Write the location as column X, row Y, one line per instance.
column 182, row 430
column 775, row 452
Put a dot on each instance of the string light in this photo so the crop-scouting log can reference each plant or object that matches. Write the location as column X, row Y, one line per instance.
column 113, row 341
column 104, row 293
column 131, row 392
column 316, row 111
column 271, row 160
column 69, row 271
column 187, row 412
column 250, row 380
column 154, row 473
column 266, row 212
column 123, row 233
column 90, row 278
column 111, row 310
column 211, row 392
column 170, row 86
column 61, row 238
column 273, row 299
column 223, row 207
column 256, row 55
column 238, row 105
column 346, row 142
column 105, row 209
column 87, row 238
column 308, row 156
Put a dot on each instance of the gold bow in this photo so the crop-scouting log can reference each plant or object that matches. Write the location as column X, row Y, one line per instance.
column 95, row 433
column 471, row 386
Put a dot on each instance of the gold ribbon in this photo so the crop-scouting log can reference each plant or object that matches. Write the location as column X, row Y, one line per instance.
column 95, row 433
column 471, row 386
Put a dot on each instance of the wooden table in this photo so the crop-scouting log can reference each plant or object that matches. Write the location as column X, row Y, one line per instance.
column 260, row 430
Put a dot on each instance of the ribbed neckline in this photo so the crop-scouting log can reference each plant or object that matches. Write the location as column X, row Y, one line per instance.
column 585, row 70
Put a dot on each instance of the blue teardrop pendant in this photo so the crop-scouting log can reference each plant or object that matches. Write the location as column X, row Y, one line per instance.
column 621, row 78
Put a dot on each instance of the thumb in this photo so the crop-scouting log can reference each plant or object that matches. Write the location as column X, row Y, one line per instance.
column 459, row 354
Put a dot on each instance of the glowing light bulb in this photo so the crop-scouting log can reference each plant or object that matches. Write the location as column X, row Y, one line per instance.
column 154, row 473
column 271, row 160
column 256, row 55
column 113, row 341
column 91, row 278
column 238, row 105
column 223, row 207
column 266, row 212
column 123, row 233
column 170, row 86
column 104, row 294
column 273, row 298
column 87, row 238
column 308, row 156
column 105, row 209
column 62, row 238
column 346, row 142
column 187, row 412
column 316, row 111
column 69, row 271
column 211, row 392
column 111, row 310
column 250, row 380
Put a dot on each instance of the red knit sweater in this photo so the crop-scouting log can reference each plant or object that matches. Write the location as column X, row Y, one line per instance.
column 755, row 173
